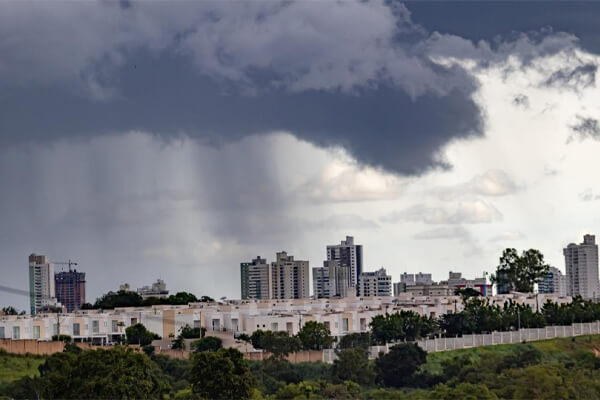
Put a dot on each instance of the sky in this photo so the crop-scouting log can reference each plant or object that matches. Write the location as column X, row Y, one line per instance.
column 175, row 140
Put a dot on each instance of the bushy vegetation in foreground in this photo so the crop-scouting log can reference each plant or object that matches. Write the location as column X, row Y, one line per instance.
column 552, row 369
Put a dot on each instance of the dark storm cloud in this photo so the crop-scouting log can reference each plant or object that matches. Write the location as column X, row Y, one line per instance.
column 385, row 127
column 498, row 21
column 585, row 128
column 221, row 72
column 576, row 78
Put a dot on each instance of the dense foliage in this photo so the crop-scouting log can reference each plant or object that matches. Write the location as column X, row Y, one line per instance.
column 124, row 298
column 520, row 272
column 138, row 334
column 223, row 374
column 117, row 373
column 559, row 368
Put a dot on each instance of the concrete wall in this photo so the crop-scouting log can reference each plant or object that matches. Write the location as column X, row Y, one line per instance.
column 31, row 346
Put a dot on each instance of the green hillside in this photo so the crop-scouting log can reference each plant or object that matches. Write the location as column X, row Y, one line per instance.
column 14, row 367
column 566, row 368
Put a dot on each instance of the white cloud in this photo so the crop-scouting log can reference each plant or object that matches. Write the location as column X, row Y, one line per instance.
column 491, row 183
column 464, row 212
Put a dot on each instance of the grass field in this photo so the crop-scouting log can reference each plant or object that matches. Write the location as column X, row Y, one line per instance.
column 13, row 367
column 553, row 350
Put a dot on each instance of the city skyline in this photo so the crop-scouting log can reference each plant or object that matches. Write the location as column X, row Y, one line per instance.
column 286, row 278
column 153, row 141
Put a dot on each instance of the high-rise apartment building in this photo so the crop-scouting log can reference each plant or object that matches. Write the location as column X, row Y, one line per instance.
column 553, row 282
column 581, row 262
column 377, row 283
column 331, row 280
column 70, row 289
column 407, row 279
column 348, row 255
column 256, row 279
column 289, row 278
column 41, row 283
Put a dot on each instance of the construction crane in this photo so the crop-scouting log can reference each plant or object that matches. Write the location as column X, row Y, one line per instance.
column 69, row 263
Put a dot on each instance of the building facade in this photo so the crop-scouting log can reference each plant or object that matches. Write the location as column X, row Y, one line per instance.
column 70, row 289
column 348, row 255
column 289, row 277
column 581, row 265
column 41, row 283
column 157, row 289
column 553, row 282
column 331, row 281
column 256, row 279
column 456, row 281
column 341, row 316
column 377, row 283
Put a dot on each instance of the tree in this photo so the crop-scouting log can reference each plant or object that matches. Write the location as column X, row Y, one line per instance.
column 223, row 374
column 208, row 343
column 353, row 365
column 279, row 343
column 403, row 325
column 315, row 336
column 467, row 293
column 355, row 340
column 256, row 338
column 520, row 272
column 398, row 366
column 122, row 298
column 117, row 373
column 138, row 334
column 182, row 298
column 10, row 310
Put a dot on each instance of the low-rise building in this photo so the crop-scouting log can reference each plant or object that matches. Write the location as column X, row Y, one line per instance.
column 456, row 281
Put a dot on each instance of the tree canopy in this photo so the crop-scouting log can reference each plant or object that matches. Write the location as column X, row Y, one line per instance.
column 138, row 334
column 117, row 373
column 396, row 368
column 315, row 336
column 222, row 374
column 520, row 272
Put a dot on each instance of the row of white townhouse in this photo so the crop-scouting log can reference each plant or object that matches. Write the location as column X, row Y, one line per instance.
column 341, row 316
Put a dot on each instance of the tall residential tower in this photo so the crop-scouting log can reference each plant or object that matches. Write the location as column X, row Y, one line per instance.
column 41, row 283
column 256, row 279
column 289, row 278
column 70, row 289
column 348, row 255
column 581, row 262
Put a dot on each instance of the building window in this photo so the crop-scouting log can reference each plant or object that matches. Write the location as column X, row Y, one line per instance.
column 16, row 332
column 234, row 324
column 274, row 326
column 76, row 329
column 115, row 325
column 1, row 332
column 96, row 326
column 36, row 332
column 345, row 324
column 363, row 324
column 216, row 325
column 289, row 327
column 55, row 329
column 326, row 323
column 133, row 321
